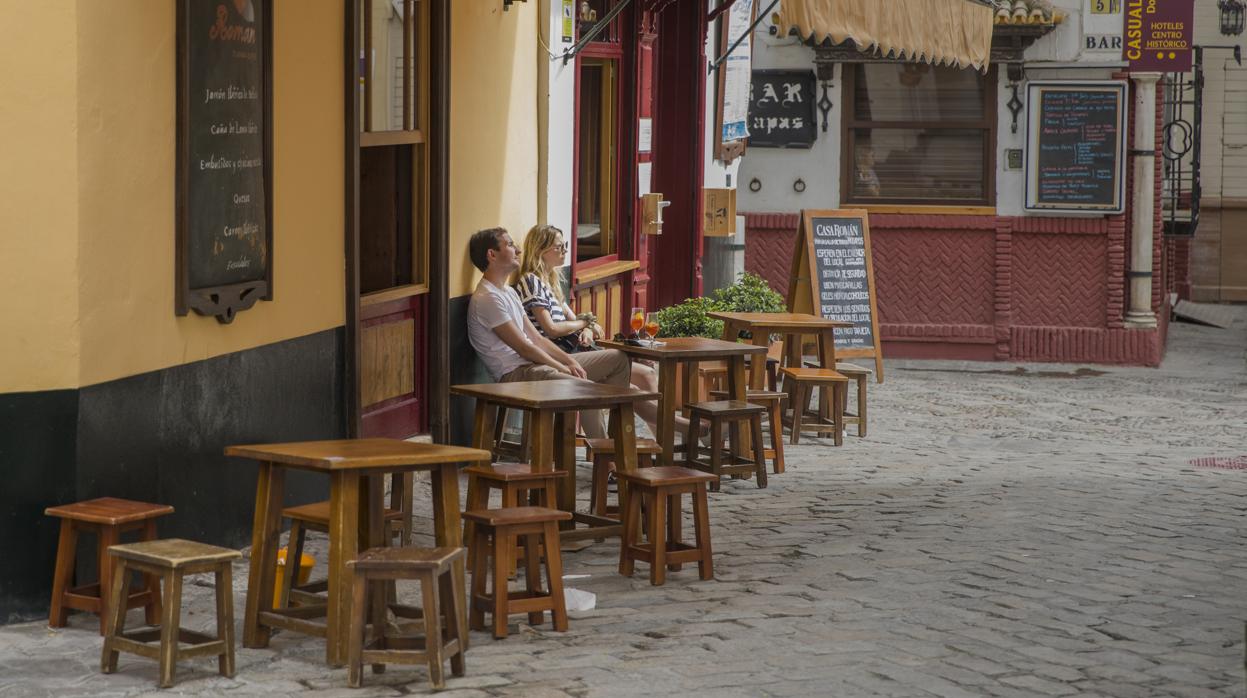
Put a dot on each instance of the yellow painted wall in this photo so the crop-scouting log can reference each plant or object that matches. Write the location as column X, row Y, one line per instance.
column 493, row 130
column 38, row 178
column 126, row 92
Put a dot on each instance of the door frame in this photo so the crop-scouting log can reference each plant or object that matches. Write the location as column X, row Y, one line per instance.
column 436, row 317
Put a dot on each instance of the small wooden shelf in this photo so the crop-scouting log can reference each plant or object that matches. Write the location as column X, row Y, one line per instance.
column 602, row 271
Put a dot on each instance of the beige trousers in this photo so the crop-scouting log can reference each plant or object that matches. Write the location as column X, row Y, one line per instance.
column 608, row 367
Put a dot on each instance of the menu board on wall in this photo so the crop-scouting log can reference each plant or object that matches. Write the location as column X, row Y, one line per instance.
column 833, row 277
column 1075, row 154
column 224, row 209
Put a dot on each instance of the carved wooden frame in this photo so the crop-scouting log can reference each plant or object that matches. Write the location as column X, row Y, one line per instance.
column 224, row 302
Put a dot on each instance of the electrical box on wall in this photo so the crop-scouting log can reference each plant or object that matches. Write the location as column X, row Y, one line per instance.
column 719, row 212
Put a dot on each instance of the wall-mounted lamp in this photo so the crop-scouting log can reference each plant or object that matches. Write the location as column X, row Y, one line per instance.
column 1232, row 16
column 506, row 4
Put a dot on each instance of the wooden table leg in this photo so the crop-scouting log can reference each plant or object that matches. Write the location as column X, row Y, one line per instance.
column 482, row 438
column 565, row 460
column 826, row 359
column 483, row 429
column 622, row 430
column 344, row 506
column 447, row 533
column 666, row 409
column 265, row 534
column 372, row 534
column 757, row 373
column 738, row 388
column 108, row 537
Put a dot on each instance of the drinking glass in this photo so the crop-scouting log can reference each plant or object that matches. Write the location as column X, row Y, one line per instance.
column 651, row 327
column 637, row 319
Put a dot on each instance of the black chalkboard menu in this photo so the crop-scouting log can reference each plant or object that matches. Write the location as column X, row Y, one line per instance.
column 781, row 109
column 833, row 277
column 224, row 194
column 1075, row 146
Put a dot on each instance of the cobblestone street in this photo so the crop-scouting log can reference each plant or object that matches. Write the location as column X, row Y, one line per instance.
column 1005, row 530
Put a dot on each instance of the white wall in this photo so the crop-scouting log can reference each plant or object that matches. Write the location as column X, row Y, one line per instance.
column 1059, row 55
column 777, row 168
column 556, row 107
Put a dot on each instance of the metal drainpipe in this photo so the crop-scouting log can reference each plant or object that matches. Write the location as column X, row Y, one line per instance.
column 1140, row 313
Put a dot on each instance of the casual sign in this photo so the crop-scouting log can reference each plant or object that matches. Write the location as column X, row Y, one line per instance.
column 832, row 276
column 1075, row 146
column 1158, row 35
column 781, row 109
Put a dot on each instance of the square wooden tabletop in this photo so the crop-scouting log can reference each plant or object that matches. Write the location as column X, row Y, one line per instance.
column 347, row 454
column 686, row 348
column 553, row 394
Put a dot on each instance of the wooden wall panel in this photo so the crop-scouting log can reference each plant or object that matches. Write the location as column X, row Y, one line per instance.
column 388, row 355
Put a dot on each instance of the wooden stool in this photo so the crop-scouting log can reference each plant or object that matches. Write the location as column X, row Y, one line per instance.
column 601, row 452
column 799, row 382
column 444, row 628
column 171, row 559
column 861, row 375
column 731, row 413
column 773, row 401
column 514, row 481
column 494, row 537
column 661, row 489
column 315, row 517
column 108, row 518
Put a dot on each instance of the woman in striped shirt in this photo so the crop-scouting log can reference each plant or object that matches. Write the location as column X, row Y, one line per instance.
column 541, row 292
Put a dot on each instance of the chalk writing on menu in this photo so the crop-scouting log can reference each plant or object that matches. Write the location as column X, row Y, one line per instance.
column 1077, row 148
column 225, row 131
column 843, row 280
column 781, row 109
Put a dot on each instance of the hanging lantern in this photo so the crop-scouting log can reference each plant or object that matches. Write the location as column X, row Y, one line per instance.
column 1232, row 16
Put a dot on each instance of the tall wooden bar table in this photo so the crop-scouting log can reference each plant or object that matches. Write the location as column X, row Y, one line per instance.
column 790, row 325
column 355, row 468
column 552, row 407
column 673, row 351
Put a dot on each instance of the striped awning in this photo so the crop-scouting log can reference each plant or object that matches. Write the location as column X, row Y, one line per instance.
column 943, row 32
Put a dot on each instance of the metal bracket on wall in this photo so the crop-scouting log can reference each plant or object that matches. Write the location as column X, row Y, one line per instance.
column 824, row 103
column 1015, row 107
column 1016, row 75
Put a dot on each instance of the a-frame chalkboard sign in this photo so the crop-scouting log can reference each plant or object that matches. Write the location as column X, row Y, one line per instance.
column 832, row 277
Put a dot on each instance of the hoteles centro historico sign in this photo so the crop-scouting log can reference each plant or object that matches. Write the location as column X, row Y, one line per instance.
column 1158, row 35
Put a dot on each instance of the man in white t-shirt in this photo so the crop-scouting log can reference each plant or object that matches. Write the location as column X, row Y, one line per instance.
column 511, row 348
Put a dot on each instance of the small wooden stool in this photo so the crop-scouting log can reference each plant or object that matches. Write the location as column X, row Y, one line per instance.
column 514, row 481
column 171, row 558
column 773, row 401
column 108, row 518
column 730, row 413
column 799, row 382
column 494, row 537
column 660, row 487
column 444, row 628
column 601, row 452
column 861, row 375
column 315, row 517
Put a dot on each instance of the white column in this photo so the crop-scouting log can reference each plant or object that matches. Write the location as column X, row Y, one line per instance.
column 1139, row 312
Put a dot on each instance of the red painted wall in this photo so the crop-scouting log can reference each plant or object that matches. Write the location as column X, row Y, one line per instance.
column 986, row 287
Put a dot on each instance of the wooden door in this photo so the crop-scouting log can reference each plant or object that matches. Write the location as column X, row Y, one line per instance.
column 678, row 160
column 391, row 250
